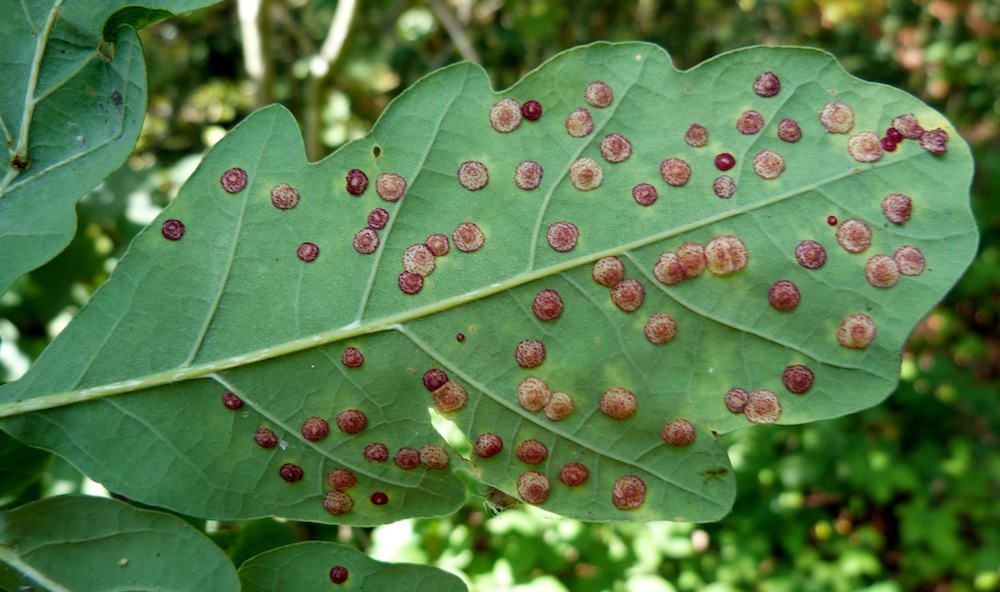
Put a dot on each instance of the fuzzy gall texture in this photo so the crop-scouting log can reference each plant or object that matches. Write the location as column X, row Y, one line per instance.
column 644, row 194
column 783, row 295
column 352, row 421
column 233, row 180
column 724, row 186
column 488, row 445
column 533, row 487
column 660, row 328
column 579, row 123
column 810, row 254
column 854, row 236
column 473, row 175
column 528, row 175
column 628, row 492
column 608, row 271
column 856, row 331
column 172, row 230
column 675, row 171
column 599, row 94
column 736, row 399
column 586, row 174
column 618, row 403
column 407, row 458
column 533, row 393
column 798, row 379
column 341, row 479
column 615, row 148
column 897, row 208
column 315, row 429
column 529, row 353
column 284, row 196
column 696, row 135
column 468, row 237
column 337, row 503
column 376, row 452
column 762, row 406
column 789, row 131
column 505, row 116
column 562, row 236
column 291, row 472
column 547, row 305
column 307, row 252
column 450, row 397
column 910, row 260
column 574, row 474
column 356, row 181
column 231, row 401
column 837, row 117
column 628, row 295
column 434, row 456
column 532, row 452
column 265, row 438
column 767, row 85
column 390, row 186
column 560, row 406
column 434, row 379
column 352, row 358
column 726, row 254
column 882, row 271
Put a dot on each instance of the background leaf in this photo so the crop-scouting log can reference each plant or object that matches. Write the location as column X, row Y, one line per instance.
column 71, row 110
column 85, row 543
column 230, row 307
column 307, row 566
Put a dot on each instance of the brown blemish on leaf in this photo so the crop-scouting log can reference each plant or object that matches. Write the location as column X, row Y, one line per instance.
column 233, row 180
column 908, row 126
column 357, row 182
column 854, row 236
column 934, row 141
column 678, row 432
column 532, row 452
column 410, row 282
column 438, row 244
column 856, row 331
column 769, row 165
column 284, row 196
column 505, row 116
column 341, row 479
column 390, row 186
column 696, row 135
column 767, row 85
column 644, row 194
column 736, row 399
column 628, row 492
column 528, row 175
column 378, row 218
column 450, row 397
column 865, row 147
column 910, row 260
column 172, row 229
column 669, row 270
column 615, row 148
column 434, row 456
column 724, row 186
column 608, row 271
column 882, row 271
column 529, row 353
column 628, row 294
column 418, row 259
column 618, row 403
column 376, row 452
column 750, row 122
column 810, row 254
column 660, row 328
column 562, row 236
column 692, row 258
column 789, row 131
column 533, row 487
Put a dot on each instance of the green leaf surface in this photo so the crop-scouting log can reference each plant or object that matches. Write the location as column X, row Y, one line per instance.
column 71, row 109
column 307, row 566
column 84, row 543
column 231, row 307
column 20, row 465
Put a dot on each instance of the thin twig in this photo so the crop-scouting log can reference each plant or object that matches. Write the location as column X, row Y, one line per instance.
column 455, row 31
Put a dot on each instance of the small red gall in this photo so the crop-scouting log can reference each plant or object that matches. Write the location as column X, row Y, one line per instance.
column 854, row 236
column 434, row 379
column 532, row 110
column 378, row 218
column 315, row 429
column 529, row 353
column 434, row 456
column 418, row 259
column 338, row 574
column 284, row 196
column 660, row 328
column 725, row 255
column 410, row 282
column 669, row 270
column 450, row 397
column 725, row 161
column 352, row 421
column 910, row 260
column 460, row 337
column 678, row 432
column 307, row 252
column 628, row 295
column 265, row 438
column 376, row 452
column 533, row 487
column 291, row 473
column 407, row 458
column 882, row 271
column 366, row 241
column 798, row 379
column 379, row 498
column 832, row 220
column 562, row 236
column 473, row 175
column 352, row 358
column 856, row 331
column 769, row 165
column 608, row 271
column 172, row 229
column 505, row 116
column 736, row 399
column 341, row 479
column 767, row 85
column 907, row 126
column 762, row 406
column 897, row 208
column 894, row 135
column 547, row 305
column 615, row 148
column 560, row 406
column 934, row 141
column 532, row 452
column 231, row 401
column 837, row 117
column 644, row 194
column 598, row 94
column 337, row 503
column 692, row 257
column 233, row 180
column 783, row 295
column 789, row 131
column 865, row 147
column 579, row 123
column 618, row 403
column 438, row 244
column 675, row 171
column 696, row 135
column 533, row 393
column 488, row 445
column 357, row 182
column 628, row 492
column 810, row 254
column 888, row 144
column 724, row 186
column 750, row 122
column 390, row 186
column 586, row 174
column 468, row 237
column 574, row 474
column 528, row 175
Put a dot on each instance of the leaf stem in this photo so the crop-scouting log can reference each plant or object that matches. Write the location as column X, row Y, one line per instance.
column 15, row 560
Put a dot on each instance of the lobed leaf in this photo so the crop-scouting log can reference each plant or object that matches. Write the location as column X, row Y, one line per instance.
column 71, row 110
column 85, row 543
column 242, row 304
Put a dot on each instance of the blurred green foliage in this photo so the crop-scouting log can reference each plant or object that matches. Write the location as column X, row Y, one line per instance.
column 901, row 497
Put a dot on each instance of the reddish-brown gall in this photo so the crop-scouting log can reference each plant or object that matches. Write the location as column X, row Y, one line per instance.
column 376, row 452
column 725, row 161
column 560, row 406
column 265, row 438
column 856, row 331
column 865, row 147
column 410, row 283
column 379, row 498
column 450, row 397
column 810, row 254
column 579, row 123
column 390, row 186
column 669, row 269
column 438, row 244
column 357, row 182
column 291, row 473
column 762, row 406
column 505, row 115
column 882, row 271
column 618, row 403
column 172, row 229
column 750, row 122
column 284, row 196
column 547, row 305
column 783, row 295
column 366, row 241
column 628, row 294
column 910, row 260
column 434, row 379
column 897, row 208
column 608, row 271
column 724, row 186
column 529, row 353
column 628, row 492
column 769, row 165
column 488, row 445
column 528, row 175
column 378, row 218
column 789, row 131
column 337, row 503
column 678, row 432
column 418, row 259
column 532, row 110
column 352, row 421
column 533, row 487
column 837, row 117
column 562, row 236
column 907, row 126
column 767, row 85
column 231, row 401
column 434, row 456
column 798, row 379
column 533, row 393
column 832, row 220
column 644, row 194
column 468, row 237
column 934, row 141
column 660, row 328
column 725, row 255
column 341, row 479
column 338, row 574
column 532, row 452
column 598, row 94
column 352, row 358
column 473, row 175
column 574, row 474
column 586, row 174
column 407, row 458
column 307, row 252
column 675, row 171
column 736, row 399
column 696, row 135
column 894, row 135
column 233, row 180
column 854, row 236
column 315, row 429
column 615, row 148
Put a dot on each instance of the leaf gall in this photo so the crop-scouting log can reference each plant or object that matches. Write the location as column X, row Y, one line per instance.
column 233, row 180
column 172, row 229
column 618, row 403
column 356, row 181
column 532, row 452
column 528, row 175
column 547, row 305
column 598, row 94
column 608, row 271
column 767, row 85
column 341, row 479
column 468, row 237
column 897, row 208
column 783, row 295
column 628, row 492
column 505, row 116
column 810, row 254
column 265, row 438
column 352, row 421
column 407, row 458
column 725, row 255
column 750, row 122
column 910, row 260
column 450, row 397
column 473, row 175
column 660, row 328
column 574, row 474
column 390, row 186
column 533, row 393
column 291, row 472
column 615, row 148
column 337, row 503
column 533, row 487
column 315, row 429
column 798, row 379
column 579, row 124
column 488, row 445
column 675, row 171
column 284, row 196
column 762, row 406
column 856, row 331
column 628, row 295
column 560, row 406
column 307, row 252
column 529, row 353
column 837, row 117
column 562, row 236
column 644, row 194
column 352, row 358
column 586, row 174
column 854, row 236
column 882, row 271
column 678, row 432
